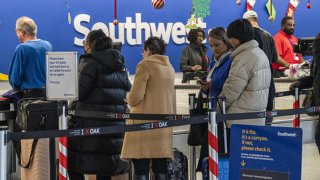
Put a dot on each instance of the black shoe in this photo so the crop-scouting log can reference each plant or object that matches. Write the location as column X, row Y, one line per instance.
column 161, row 176
column 141, row 177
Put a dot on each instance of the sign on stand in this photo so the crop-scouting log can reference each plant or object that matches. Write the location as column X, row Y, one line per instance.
column 62, row 75
column 265, row 152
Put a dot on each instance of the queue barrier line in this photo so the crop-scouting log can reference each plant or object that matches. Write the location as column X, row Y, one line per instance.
column 291, row 93
column 104, row 130
column 169, row 122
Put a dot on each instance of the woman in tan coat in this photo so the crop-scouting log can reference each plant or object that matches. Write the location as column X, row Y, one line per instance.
column 151, row 93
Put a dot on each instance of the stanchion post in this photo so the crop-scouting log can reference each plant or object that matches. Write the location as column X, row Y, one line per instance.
column 3, row 153
column 63, row 144
column 296, row 105
column 213, row 140
column 224, row 126
column 192, row 149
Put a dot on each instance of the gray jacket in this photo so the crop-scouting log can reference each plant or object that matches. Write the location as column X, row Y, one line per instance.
column 247, row 86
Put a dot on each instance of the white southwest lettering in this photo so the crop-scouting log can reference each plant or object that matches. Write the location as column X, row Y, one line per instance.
column 125, row 30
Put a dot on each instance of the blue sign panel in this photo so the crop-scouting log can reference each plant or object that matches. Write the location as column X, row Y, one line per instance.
column 264, row 152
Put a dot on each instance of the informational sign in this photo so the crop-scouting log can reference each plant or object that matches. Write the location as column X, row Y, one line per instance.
column 265, row 152
column 62, row 75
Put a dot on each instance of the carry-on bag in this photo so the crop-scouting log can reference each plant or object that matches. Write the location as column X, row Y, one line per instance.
column 36, row 115
column 178, row 166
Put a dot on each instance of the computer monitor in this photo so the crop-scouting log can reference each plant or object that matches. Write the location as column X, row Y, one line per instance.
column 117, row 46
column 304, row 46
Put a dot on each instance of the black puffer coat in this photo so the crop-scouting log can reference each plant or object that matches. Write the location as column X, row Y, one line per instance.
column 314, row 81
column 103, row 85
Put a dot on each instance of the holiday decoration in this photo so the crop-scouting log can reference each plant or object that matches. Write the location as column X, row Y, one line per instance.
column 271, row 10
column 309, row 4
column 69, row 14
column 293, row 4
column 115, row 21
column 201, row 8
column 193, row 22
column 250, row 4
column 238, row 2
column 157, row 4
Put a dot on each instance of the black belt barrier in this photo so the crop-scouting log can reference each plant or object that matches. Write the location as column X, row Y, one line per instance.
column 170, row 121
column 105, row 130
column 289, row 93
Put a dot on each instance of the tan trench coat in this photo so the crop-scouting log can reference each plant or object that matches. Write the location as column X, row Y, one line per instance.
column 152, row 93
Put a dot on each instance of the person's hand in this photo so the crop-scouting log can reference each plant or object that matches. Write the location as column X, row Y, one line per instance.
column 294, row 85
column 205, row 84
column 196, row 68
column 287, row 65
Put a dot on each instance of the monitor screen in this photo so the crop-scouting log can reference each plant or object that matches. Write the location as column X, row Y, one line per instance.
column 304, row 46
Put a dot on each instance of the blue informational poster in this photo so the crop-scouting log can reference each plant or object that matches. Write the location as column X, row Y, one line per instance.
column 265, row 152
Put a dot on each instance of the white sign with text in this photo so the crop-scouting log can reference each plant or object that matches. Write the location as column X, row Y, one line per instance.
column 62, row 75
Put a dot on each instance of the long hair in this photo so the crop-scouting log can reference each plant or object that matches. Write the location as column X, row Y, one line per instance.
column 220, row 34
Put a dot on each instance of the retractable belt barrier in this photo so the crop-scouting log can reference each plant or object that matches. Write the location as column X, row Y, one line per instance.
column 290, row 93
column 166, row 120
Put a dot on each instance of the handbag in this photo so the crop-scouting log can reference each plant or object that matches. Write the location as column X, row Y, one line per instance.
column 309, row 101
column 196, row 132
column 33, row 115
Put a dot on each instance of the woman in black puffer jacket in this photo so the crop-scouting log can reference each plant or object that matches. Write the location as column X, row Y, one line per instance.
column 313, row 81
column 103, row 85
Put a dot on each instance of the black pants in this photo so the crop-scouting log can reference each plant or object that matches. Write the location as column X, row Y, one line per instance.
column 141, row 166
column 78, row 176
column 317, row 136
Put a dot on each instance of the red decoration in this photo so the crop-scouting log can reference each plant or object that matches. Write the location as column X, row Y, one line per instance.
column 309, row 4
column 115, row 22
column 157, row 4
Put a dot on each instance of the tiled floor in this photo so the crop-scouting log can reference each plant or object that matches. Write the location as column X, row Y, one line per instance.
column 310, row 162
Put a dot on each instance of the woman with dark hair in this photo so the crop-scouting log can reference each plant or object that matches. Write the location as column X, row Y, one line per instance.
column 194, row 58
column 247, row 86
column 313, row 81
column 218, row 73
column 152, row 93
column 103, row 85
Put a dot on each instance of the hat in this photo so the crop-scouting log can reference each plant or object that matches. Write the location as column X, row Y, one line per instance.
column 250, row 14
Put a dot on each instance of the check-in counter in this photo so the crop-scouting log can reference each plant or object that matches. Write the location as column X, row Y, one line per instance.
column 7, row 119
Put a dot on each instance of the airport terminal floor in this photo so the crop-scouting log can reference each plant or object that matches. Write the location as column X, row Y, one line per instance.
column 310, row 155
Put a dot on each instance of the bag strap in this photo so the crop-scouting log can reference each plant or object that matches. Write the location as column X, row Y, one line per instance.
column 33, row 148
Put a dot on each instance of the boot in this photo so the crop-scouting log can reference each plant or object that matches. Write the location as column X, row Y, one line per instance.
column 141, row 177
column 161, row 176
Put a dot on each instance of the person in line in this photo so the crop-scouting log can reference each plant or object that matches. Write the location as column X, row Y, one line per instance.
column 219, row 69
column 153, row 86
column 194, row 58
column 247, row 86
column 285, row 42
column 266, row 43
column 313, row 81
column 103, row 85
column 27, row 73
